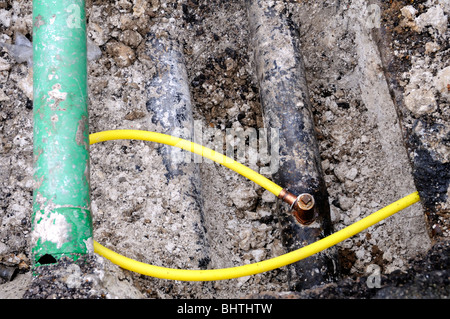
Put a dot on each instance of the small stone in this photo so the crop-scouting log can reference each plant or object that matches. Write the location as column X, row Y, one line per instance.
column 3, row 96
column 360, row 254
column 135, row 115
column 443, row 82
column 355, row 213
column 3, row 248
column 420, row 102
column 268, row 197
column 364, row 139
column 122, row 54
column 245, row 236
column 154, row 5
column 251, row 215
column 340, row 171
column 351, row 174
column 445, row 4
column 230, row 64
column 125, row 4
column 26, row 84
column 4, row 65
column 431, row 47
column 93, row 51
column 325, row 164
column 131, row 38
column 409, row 12
column 345, row 202
column 435, row 18
column 335, row 216
column 263, row 212
column 387, row 255
column 73, row 280
column 259, row 254
column 98, row 34
column 139, row 8
column 5, row 17
column 244, row 198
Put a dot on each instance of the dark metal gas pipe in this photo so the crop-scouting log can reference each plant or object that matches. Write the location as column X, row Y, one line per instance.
column 286, row 107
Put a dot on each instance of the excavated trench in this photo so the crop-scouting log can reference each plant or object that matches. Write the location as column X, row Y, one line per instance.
column 319, row 82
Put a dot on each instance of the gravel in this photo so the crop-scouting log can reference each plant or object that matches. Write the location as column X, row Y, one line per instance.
column 380, row 101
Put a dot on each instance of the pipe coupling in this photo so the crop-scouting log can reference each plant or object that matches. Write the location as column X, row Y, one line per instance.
column 302, row 206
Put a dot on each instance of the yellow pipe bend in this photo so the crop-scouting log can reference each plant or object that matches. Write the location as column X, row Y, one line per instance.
column 245, row 270
column 191, row 147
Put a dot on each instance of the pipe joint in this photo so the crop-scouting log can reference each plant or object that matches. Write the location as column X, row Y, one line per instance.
column 302, row 206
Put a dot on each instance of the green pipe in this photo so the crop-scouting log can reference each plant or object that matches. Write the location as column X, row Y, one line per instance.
column 61, row 220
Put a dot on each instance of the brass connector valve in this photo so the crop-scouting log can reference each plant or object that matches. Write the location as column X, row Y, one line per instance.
column 302, row 206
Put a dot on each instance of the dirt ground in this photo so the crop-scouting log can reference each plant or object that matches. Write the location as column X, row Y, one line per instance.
column 378, row 76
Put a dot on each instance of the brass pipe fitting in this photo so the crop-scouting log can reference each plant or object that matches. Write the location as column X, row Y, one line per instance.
column 301, row 206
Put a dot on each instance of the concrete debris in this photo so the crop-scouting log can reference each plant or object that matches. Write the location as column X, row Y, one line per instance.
column 378, row 85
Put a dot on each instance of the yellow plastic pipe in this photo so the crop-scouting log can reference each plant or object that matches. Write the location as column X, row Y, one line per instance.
column 245, row 270
column 191, row 147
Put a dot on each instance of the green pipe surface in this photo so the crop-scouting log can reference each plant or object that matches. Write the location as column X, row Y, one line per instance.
column 61, row 220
